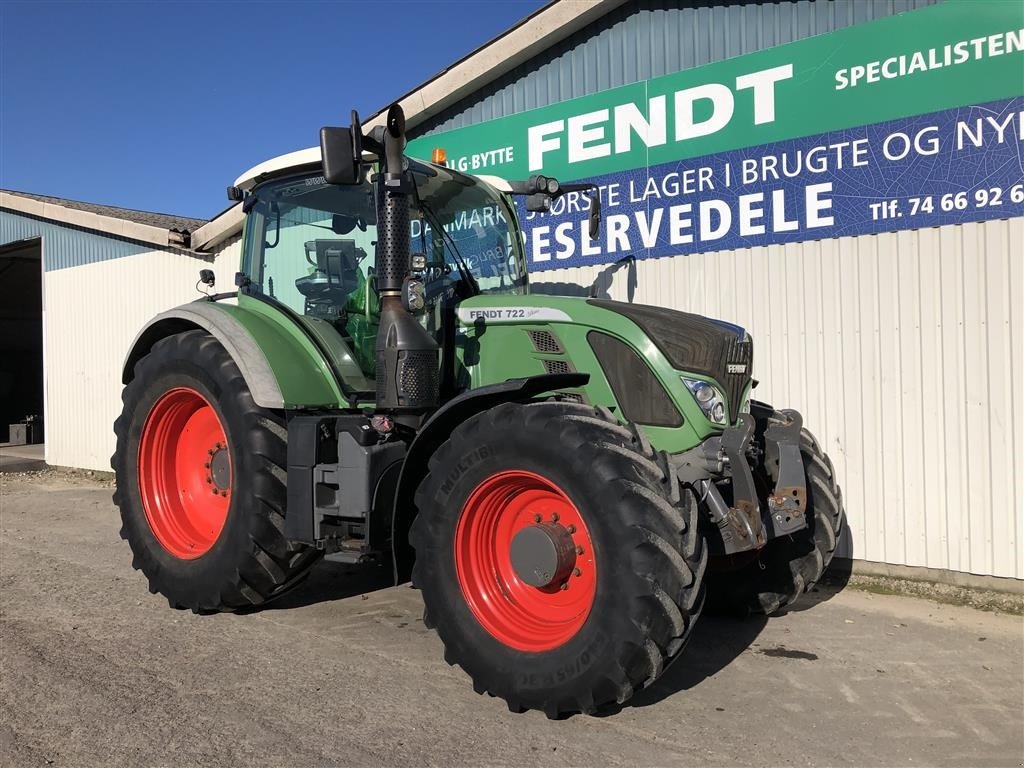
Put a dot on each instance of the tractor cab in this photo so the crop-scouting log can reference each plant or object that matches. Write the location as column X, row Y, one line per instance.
column 311, row 247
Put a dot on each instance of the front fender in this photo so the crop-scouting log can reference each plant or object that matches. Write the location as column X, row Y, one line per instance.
column 438, row 428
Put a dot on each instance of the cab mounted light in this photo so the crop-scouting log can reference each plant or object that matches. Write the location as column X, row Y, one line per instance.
column 439, row 156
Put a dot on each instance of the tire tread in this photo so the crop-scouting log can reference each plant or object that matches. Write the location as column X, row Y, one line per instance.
column 659, row 531
column 271, row 564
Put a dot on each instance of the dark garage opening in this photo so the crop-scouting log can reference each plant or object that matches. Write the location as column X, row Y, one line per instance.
column 21, row 342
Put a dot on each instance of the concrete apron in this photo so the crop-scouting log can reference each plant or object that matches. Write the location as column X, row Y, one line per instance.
column 22, row 458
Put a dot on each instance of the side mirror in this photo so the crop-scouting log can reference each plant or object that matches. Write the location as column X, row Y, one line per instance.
column 341, row 150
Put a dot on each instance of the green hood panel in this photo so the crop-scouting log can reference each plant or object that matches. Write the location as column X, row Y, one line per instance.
column 498, row 340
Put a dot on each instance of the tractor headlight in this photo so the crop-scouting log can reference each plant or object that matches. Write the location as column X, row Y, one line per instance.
column 709, row 398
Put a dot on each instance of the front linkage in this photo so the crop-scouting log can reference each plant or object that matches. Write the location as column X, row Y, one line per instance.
column 728, row 462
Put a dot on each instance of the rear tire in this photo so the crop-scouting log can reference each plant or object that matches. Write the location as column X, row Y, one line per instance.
column 205, row 523
column 621, row 620
column 789, row 566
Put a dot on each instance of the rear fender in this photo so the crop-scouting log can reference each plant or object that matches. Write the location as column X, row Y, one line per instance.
column 281, row 363
column 227, row 330
column 438, row 428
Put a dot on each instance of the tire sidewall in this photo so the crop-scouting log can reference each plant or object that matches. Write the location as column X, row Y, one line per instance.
column 533, row 676
column 187, row 580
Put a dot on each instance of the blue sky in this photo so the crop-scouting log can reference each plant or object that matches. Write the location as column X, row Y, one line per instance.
column 159, row 106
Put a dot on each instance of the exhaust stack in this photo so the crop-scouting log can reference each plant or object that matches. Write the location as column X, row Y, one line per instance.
column 407, row 355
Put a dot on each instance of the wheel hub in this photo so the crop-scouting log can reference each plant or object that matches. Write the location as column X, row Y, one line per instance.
column 543, row 554
column 220, row 467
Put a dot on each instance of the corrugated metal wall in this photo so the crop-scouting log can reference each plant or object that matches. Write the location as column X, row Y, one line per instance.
column 643, row 39
column 91, row 315
column 903, row 351
column 66, row 246
column 98, row 293
column 905, row 354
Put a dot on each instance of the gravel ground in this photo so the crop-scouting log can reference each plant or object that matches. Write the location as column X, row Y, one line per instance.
column 96, row 671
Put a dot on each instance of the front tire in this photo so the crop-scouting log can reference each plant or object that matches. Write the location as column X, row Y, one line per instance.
column 200, row 474
column 617, row 604
column 789, row 566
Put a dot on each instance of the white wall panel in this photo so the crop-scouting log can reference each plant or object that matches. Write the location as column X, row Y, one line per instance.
column 91, row 314
column 904, row 353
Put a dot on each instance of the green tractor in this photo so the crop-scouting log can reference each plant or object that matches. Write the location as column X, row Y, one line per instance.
column 554, row 474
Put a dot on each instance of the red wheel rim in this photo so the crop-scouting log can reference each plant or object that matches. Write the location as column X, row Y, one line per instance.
column 518, row 614
column 184, row 473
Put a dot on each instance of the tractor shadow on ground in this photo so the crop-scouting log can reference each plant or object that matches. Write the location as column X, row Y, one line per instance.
column 720, row 637
column 717, row 640
column 329, row 581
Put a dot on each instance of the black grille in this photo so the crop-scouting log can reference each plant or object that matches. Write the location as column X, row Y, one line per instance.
column 558, row 366
column 640, row 395
column 696, row 344
column 418, row 379
column 739, row 357
column 545, row 341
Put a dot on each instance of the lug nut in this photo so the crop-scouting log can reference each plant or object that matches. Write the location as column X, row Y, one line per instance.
column 213, row 491
column 207, row 465
column 554, row 517
column 211, row 451
column 536, row 518
column 209, row 480
column 571, row 528
column 564, row 586
column 579, row 550
column 577, row 572
column 223, row 493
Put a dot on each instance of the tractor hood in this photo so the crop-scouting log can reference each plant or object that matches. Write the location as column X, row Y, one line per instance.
column 688, row 343
column 719, row 350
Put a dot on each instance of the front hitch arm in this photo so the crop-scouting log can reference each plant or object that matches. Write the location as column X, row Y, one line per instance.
column 745, row 510
column 742, row 524
column 788, row 502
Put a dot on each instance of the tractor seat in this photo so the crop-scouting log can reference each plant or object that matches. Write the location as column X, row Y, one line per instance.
column 336, row 272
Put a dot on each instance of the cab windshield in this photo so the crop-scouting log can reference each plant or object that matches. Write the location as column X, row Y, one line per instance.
column 310, row 246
